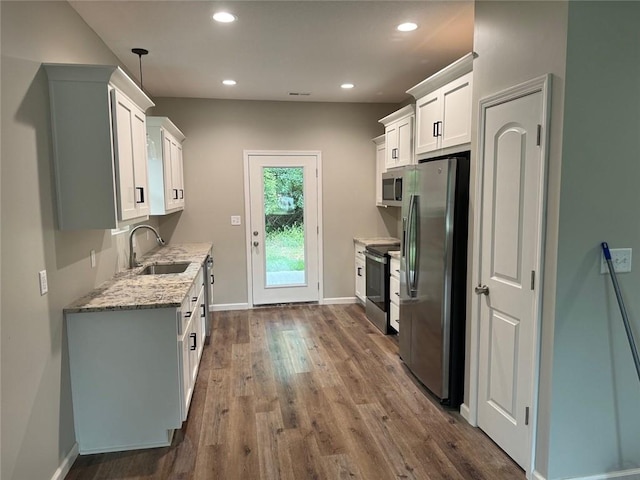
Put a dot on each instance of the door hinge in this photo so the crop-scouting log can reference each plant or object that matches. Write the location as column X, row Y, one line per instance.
column 318, row 285
column 533, row 279
column 539, row 136
column 318, row 229
column 316, row 173
column 526, row 416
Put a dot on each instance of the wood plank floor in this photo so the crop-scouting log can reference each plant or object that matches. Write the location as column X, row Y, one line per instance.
column 308, row 392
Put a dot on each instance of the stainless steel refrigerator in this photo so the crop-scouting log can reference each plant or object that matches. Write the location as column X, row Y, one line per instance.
column 433, row 274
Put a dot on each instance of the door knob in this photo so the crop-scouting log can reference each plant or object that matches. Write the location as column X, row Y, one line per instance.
column 255, row 244
column 482, row 290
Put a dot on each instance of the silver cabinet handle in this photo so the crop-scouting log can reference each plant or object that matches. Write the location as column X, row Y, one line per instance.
column 481, row 290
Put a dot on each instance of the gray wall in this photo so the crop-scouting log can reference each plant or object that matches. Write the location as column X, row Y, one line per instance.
column 595, row 426
column 36, row 421
column 515, row 42
column 218, row 131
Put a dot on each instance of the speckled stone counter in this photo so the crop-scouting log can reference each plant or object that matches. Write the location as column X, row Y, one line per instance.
column 129, row 291
column 375, row 240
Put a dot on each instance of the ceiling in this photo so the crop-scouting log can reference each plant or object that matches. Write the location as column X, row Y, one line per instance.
column 278, row 48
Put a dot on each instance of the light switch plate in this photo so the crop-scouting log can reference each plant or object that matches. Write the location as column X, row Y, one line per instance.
column 92, row 256
column 235, row 220
column 621, row 259
column 44, row 286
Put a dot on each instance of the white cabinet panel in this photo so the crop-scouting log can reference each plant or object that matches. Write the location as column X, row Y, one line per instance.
column 99, row 146
column 380, row 165
column 360, row 273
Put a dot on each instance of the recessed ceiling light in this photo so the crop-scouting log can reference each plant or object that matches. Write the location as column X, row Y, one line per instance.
column 407, row 27
column 347, row 86
column 224, row 17
column 229, row 82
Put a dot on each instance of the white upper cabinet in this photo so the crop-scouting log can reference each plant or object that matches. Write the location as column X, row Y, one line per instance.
column 166, row 179
column 99, row 146
column 398, row 131
column 443, row 108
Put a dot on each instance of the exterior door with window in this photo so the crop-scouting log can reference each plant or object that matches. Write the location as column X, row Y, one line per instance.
column 283, row 238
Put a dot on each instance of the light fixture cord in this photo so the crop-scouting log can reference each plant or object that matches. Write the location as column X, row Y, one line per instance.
column 140, row 59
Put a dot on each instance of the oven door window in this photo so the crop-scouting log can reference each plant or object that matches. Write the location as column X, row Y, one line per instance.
column 375, row 283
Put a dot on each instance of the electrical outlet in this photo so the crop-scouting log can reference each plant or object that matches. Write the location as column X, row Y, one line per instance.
column 44, row 286
column 621, row 259
column 235, row 220
column 92, row 256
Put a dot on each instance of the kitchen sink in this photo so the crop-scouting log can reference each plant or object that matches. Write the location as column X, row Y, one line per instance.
column 164, row 268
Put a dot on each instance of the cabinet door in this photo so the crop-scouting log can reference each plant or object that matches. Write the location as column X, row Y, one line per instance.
column 456, row 113
column 405, row 142
column 360, row 280
column 141, row 181
column 123, row 113
column 130, row 137
column 185, row 364
column 391, row 141
column 176, row 172
column 428, row 113
column 170, row 190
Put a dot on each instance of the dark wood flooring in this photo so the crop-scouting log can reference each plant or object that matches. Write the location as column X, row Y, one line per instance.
column 308, row 392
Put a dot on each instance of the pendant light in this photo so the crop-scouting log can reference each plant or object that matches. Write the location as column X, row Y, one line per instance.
column 140, row 52
column 151, row 145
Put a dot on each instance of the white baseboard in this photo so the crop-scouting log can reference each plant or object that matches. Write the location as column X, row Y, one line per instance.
column 66, row 464
column 338, row 301
column 633, row 474
column 222, row 307
column 465, row 412
column 626, row 474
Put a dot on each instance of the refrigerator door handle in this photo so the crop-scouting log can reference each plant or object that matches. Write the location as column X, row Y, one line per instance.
column 407, row 248
column 412, row 251
column 415, row 233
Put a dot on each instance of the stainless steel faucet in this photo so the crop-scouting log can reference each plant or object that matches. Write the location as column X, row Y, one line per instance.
column 132, row 255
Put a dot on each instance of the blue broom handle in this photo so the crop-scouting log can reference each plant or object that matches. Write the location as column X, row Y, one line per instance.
column 623, row 310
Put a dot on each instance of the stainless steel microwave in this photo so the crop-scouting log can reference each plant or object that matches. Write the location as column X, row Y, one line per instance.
column 392, row 188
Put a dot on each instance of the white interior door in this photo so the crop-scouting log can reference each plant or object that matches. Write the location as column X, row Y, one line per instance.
column 510, row 251
column 284, row 232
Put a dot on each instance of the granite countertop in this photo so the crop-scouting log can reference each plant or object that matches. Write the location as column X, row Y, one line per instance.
column 129, row 291
column 375, row 240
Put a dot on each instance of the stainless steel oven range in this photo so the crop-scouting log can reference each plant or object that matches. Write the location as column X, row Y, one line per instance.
column 377, row 288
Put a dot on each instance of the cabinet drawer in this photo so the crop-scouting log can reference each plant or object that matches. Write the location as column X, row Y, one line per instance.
column 359, row 251
column 394, row 290
column 394, row 268
column 394, row 316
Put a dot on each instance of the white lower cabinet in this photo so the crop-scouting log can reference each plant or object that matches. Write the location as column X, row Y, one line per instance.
column 394, row 294
column 133, row 372
column 360, row 273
